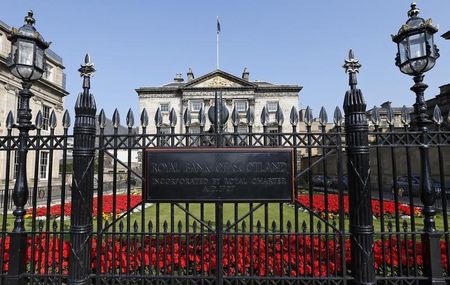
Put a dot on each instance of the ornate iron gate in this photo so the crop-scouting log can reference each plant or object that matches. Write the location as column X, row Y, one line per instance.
column 328, row 235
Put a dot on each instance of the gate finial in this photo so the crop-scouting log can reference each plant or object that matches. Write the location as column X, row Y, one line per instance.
column 294, row 116
column 144, row 118
column 352, row 67
column 130, row 118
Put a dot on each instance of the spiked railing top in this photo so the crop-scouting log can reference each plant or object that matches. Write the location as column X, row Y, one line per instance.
column 293, row 116
column 66, row 120
column 10, row 121
column 39, row 121
column 323, row 117
column 116, row 119
column 173, row 118
column 264, row 117
column 279, row 116
column 187, row 118
column 101, row 119
column 337, row 117
column 308, row 116
column 158, row 118
column 250, row 116
column 437, row 116
column 52, row 120
column 144, row 118
column 235, row 117
column 130, row 118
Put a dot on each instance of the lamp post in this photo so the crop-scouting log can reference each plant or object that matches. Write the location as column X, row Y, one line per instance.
column 26, row 62
column 416, row 55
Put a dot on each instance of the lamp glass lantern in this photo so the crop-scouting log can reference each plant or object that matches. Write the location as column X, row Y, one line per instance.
column 27, row 58
column 417, row 52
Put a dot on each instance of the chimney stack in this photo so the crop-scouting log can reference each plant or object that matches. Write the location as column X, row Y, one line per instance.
column 190, row 75
column 178, row 78
column 245, row 74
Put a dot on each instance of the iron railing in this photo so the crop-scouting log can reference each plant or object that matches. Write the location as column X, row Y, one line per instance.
column 353, row 219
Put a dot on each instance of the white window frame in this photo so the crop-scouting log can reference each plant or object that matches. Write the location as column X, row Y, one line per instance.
column 192, row 104
column 164, row 104
column 48, row 73
column 237, row 104
column 46, row 117
column 44, row 162
column 271, row 104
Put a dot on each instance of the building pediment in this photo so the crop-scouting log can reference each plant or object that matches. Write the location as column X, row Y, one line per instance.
column 218, row 79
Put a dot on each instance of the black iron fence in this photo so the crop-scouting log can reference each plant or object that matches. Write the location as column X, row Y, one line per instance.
column 365, row 207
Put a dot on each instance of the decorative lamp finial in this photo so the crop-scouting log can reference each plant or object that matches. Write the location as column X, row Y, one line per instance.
column 414, row 11
column 29, row 18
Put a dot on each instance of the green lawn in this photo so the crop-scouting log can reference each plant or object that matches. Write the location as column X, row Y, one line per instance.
column 273, row 210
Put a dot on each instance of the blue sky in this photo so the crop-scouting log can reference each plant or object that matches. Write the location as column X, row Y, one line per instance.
column 145, row 43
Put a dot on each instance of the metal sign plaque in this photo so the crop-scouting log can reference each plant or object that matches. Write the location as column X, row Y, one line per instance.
column 219, row 174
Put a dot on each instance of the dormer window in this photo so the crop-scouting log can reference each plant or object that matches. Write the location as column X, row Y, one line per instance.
column 241, row 105
column 196, row 106
column 272, row 106
column 48, row 72
column 164, row 107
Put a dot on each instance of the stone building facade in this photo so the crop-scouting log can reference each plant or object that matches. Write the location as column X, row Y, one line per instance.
column 443, row 101
column 49, row 96
column 238, row 92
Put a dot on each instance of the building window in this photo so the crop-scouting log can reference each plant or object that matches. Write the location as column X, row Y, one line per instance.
column 241, row 105
column 272, row 107
column 43, row 166
column 48, row 72
column 164, row 107
column 45, row 117
column 196, row 106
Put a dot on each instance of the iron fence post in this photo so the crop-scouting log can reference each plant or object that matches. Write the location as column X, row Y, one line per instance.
column 430, row 237
column 358, row 169
column 83, row 182
column 18, row 247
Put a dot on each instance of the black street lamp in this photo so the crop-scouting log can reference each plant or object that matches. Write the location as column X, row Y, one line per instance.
column 417, row 54
column 26, row 62
column 27, row 59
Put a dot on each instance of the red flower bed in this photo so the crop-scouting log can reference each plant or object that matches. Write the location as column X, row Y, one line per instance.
column 121, row 206
column 257, row 255
column 318, row 205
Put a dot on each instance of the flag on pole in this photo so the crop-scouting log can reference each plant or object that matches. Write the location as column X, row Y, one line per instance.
column 218, row 25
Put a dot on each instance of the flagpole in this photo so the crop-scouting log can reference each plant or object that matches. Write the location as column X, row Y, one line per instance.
column 217, row 46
